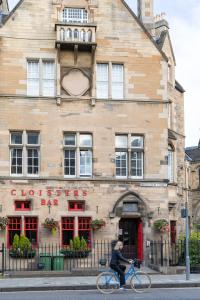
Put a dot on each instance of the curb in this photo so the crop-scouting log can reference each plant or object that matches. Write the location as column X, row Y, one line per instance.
column 92, row 287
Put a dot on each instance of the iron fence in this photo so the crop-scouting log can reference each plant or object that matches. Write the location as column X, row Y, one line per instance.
column 164, row 253
column 53, row 257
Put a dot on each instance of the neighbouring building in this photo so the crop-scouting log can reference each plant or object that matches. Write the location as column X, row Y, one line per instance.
column 193, row 159
column 91, row 122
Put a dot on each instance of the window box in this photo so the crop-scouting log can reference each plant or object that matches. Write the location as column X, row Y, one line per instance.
column 78, row 248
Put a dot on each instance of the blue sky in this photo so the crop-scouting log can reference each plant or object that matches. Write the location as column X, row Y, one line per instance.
column 184, row 20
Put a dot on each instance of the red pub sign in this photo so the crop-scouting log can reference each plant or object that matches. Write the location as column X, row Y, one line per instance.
column 50, row 196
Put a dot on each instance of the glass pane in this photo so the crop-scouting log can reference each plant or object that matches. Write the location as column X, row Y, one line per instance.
column 117, row 81
column 137, row 142
column 121, row 141
column 69, row 139
column 102, row 81
column 33, row 138
column 86, row 140
column 16, row 138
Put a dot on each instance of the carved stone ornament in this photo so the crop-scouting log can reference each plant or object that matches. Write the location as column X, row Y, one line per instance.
column 75, row 82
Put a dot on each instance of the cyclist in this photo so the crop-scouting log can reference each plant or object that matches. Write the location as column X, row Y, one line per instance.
column 115, row 263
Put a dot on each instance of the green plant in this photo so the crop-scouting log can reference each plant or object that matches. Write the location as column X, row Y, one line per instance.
column 78, row 247
column 3, row 222
column 24, row 243
column 98, row 223
column 15, row 244
column 161, row 225
column 21, row 247
column 51, row 224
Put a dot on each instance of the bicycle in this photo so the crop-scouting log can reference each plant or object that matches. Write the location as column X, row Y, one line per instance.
column 108, row 282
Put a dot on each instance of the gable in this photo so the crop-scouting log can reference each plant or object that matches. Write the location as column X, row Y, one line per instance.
column 166, row 46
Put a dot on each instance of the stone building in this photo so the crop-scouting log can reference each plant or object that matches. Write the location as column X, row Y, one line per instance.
column 193, row 159
column 91, row 122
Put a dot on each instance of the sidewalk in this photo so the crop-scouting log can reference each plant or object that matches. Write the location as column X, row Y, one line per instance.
column 86, row 283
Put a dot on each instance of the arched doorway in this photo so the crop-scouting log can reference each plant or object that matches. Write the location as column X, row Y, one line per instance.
column 131, row 209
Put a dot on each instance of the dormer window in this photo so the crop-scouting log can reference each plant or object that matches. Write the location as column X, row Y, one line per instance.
column 75, row 15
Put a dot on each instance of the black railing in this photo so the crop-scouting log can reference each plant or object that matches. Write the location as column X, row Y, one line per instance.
column 164, row 253
column 54, row 257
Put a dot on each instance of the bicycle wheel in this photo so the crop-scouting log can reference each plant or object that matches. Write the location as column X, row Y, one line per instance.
column 107, row 282
column 140, row 282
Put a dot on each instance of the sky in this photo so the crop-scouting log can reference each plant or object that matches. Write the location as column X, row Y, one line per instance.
column 184, row 21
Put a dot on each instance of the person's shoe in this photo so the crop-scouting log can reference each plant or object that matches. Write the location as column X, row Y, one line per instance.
column 122, row 288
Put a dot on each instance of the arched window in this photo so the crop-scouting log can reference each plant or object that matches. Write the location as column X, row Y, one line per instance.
column 89, row 35
column 83, row 35
column 62, row 34
column 76, row 34
column 170, row 163
column 68, row 34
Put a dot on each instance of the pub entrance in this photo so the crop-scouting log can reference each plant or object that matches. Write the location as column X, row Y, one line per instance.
column 130, row 232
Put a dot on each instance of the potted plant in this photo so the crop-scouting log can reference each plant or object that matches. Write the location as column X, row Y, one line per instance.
column 51, row 225
column 3, row 223
column 21, row 247
column 97, row 224
column 161, row 226
column 77, row 248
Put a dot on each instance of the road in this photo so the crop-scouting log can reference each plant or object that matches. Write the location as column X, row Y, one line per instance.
column 154, row 294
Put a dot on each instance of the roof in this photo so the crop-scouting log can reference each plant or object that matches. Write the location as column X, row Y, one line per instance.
column 128, row 8
column 161, row 40
column 179, row 87
column 193, row 153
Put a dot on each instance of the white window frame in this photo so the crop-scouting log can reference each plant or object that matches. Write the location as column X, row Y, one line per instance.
column 67, row 11
column 171, row 164
column 129, row 149
column 42, row 79
column 112, row 82
column 78, row 148
column 24, row 147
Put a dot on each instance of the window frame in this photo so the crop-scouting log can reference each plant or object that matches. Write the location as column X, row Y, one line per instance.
column 15, row 224
column 31, row 229
column 110, row 82
column 22, row 202
column 81, row 20
column 171, row 161
column 78, row 149
column 67, row 218
column 129, row 150
column 76, row 203
column 24, row 147
column 41, row 79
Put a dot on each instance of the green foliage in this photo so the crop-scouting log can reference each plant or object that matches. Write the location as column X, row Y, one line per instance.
column 98, row 223
column 78, row 244
column 194, row 248
column 83, row 244
column 24, row 243
column 15, row 244
column 161, row 225
column 3, row 222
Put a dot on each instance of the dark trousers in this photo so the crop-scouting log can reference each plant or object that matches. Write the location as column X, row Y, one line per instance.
column 120, row 269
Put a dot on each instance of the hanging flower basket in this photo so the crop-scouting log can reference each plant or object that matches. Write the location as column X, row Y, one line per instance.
column 161, row 226
column 51, row 225
column 3, row 223
column 97, row 224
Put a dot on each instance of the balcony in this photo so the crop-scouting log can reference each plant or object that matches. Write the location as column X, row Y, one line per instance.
column 76, row 36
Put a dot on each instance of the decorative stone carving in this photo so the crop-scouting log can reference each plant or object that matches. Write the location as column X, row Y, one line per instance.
column 75, row 82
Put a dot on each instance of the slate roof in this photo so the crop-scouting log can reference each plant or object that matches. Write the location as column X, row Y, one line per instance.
column 193, row 153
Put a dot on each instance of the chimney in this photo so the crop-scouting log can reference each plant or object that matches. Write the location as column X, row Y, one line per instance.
column 145, row 14
column 161, row 24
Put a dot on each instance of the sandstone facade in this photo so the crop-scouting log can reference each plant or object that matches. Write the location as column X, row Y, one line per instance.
column 151, row 107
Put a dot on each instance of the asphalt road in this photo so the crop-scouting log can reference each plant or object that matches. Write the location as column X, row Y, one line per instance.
column 154, row 294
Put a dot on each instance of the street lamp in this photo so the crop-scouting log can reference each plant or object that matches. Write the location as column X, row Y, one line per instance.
column 185, row 215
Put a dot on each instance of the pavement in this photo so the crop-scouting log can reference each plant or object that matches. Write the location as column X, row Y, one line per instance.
column 88, row 282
